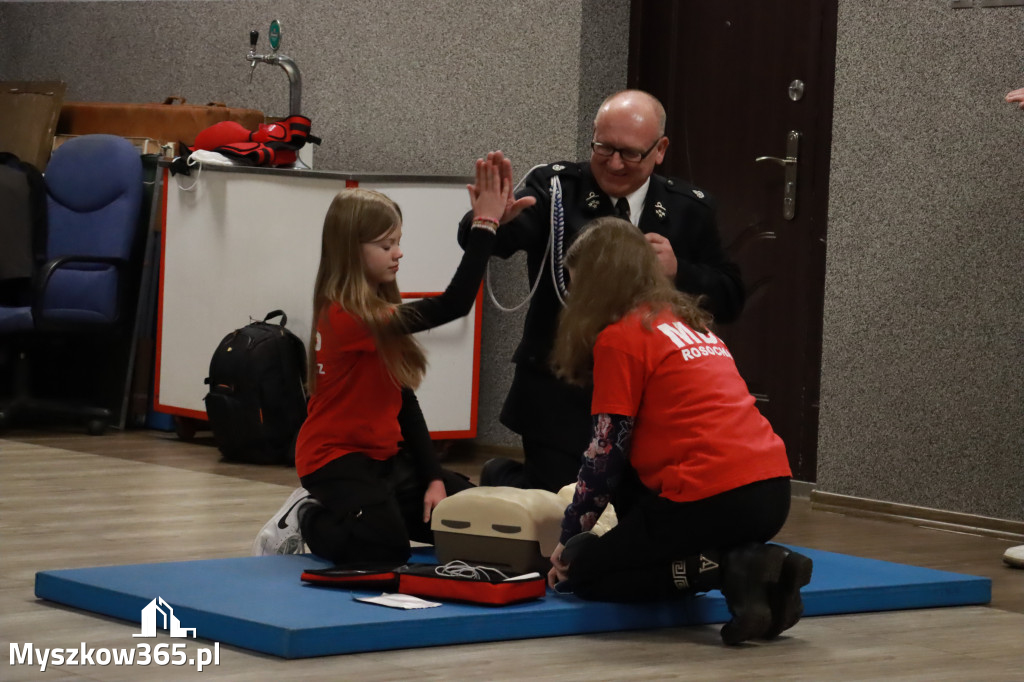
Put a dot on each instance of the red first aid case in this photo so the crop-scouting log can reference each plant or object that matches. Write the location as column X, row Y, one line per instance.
column 463, row 583
column 355, row 577
column 471, row 586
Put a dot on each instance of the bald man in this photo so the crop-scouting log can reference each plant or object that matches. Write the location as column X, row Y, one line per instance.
column 552, row 417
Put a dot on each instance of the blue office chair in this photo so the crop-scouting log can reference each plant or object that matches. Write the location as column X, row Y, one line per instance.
column 85, row 287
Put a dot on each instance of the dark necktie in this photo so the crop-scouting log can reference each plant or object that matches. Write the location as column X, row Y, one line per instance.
column 622, row 208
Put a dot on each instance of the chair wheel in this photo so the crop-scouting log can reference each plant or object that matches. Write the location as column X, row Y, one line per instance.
column 96, row 427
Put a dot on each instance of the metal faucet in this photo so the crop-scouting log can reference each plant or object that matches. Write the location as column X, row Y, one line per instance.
column 286, row 63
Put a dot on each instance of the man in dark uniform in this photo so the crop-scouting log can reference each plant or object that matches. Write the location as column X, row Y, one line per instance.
column 629, row 140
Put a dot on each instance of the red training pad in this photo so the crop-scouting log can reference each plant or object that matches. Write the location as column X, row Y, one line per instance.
column 220, row 134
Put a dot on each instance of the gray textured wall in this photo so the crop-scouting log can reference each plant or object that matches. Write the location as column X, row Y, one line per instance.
column 922, row 370
column 422, row 87
column 398, row 86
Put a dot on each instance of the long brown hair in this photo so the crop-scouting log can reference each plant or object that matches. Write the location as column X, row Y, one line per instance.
column 355, row 217
column 614, row 271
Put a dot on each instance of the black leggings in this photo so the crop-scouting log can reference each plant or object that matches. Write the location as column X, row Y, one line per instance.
column 634, row 560
column 370, row 509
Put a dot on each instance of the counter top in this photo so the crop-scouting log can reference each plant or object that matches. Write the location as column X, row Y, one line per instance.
column 329, row 175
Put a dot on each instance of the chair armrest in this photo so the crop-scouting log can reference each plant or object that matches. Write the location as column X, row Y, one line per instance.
column 48, row 269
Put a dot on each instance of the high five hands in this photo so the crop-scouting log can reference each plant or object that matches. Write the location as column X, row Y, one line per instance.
column 512, row 207
column 487, row 182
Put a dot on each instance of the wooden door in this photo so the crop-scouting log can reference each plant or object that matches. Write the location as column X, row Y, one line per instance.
column 727, row 72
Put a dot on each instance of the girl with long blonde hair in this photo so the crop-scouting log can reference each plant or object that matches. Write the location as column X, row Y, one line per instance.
column 362, row 495
column 699, row 480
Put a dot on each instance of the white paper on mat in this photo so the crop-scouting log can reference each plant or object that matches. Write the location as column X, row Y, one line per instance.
column 399, row 601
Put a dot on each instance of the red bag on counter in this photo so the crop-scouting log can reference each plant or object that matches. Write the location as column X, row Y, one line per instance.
column 271, row 144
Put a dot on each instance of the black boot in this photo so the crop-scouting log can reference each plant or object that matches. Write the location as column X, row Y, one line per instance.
column 574, row 545
column 501, row 471
column 748, row 572
column 572, row 548
column 784, row 596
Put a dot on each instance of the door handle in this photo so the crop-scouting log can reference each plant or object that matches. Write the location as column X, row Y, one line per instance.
column 790, row 164
column 782, row 162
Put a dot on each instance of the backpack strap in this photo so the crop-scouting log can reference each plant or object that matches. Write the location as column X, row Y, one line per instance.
column 295, row 354
column 277, row 313
column 297, row 348
column 299, row 356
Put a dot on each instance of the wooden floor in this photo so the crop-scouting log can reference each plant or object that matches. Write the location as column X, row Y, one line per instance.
column 69, row 500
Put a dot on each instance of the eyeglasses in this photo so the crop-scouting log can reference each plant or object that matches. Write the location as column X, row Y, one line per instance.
column 627, row 155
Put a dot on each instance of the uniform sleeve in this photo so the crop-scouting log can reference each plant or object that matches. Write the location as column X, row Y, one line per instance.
column 416, row 438
column 458, row 297
column 706, row 269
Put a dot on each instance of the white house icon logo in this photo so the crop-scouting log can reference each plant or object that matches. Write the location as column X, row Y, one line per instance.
column 170, row 622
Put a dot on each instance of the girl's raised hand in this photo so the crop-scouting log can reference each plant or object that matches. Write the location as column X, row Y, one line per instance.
column 492, row 190
column 513, row 206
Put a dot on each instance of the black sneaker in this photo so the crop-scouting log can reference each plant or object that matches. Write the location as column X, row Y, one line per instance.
column 501, row 471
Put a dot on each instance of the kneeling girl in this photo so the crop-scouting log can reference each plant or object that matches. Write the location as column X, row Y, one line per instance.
column 699, row 480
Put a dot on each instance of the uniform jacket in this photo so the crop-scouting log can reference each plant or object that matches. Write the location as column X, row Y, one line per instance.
column 677, row 210
column 674, row 209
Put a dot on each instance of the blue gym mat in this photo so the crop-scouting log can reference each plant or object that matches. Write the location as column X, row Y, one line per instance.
column 260, row 603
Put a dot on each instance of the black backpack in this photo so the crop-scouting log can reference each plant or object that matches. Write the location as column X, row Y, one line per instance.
column 23, row 228
column 257, row 398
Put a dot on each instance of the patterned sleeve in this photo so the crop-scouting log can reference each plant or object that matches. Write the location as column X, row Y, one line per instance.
column 603, row 463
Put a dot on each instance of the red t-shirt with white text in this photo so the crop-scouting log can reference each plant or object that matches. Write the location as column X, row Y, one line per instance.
column 355, row 405
column 697, row 431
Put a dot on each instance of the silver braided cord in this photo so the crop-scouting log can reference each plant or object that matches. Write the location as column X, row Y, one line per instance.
column 558, row 239
column 559, row 279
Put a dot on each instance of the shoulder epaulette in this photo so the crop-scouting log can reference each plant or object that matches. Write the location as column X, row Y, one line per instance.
column 677, row 186
column 559, row 168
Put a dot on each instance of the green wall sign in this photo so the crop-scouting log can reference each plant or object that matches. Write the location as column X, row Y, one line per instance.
column 275, row 34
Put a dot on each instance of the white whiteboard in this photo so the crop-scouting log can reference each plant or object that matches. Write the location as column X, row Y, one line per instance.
column 238, row 245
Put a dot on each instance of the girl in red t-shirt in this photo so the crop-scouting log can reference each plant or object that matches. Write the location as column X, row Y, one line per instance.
column 370, row 477
column 699, row 480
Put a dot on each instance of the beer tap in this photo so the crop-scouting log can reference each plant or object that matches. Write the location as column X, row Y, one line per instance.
column 286, row 63
column 254, row 37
